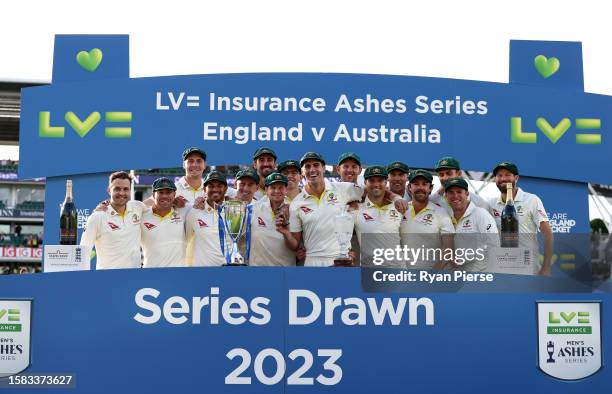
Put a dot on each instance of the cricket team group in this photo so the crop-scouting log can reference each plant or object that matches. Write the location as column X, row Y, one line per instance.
column 294, row 209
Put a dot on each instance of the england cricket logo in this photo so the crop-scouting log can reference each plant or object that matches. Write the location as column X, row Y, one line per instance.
column 15, row 336
column 569, row 339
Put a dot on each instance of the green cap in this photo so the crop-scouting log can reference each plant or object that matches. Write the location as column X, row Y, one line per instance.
column 194, row 149
column 349, row 155
column 447, row 163
column 276, row 177
column 264, row 151
column 423, row 173
column 311, row 156
column 398, row 165
column 163, row 183
column 215, row 175
column 458, row 182
column 373, row 171
column 248, row 173
column 508, row 166
column 287, row 164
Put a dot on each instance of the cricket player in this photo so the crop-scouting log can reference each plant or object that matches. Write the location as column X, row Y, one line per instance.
column 426, row 225
column 190, row 187
column 264, row 162
column 247, row 184
column 163, row 228
column 531, row 214
column 313, row 211
column 349, row 167
column 447, row 168
column 202, row 225
column 475, row 228
column 398, row 179
column 291, row 169
column 377, row 221
column 115, row 231
column 271, row 241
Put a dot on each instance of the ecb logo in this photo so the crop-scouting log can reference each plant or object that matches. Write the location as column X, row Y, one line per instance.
column 15, row 323
column 554, row 133
column 83, row 126
column 569, row 339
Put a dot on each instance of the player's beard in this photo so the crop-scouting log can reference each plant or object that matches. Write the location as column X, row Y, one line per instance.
column 420, row 196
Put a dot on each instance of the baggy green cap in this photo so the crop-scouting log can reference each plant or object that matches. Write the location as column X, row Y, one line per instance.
column 373, row 171
column 448, row 163
column 264, row 151
column 163, row 183
column 215, row 175
column 311, row 156
column 287, row 164
column 276, row 177
column 398, row 165
column 194, row 149
column 248, row 173
column 508, row 166
column 420, row 173
column 458, row 182
column 349, row 155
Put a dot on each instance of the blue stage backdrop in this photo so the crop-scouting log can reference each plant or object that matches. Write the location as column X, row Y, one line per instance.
column 142, row 330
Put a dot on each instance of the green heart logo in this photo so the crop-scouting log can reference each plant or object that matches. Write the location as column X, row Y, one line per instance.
column 546, row 67
column 90, row 60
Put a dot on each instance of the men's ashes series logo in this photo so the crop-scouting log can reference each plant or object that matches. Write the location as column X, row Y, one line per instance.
column 569, row 339
column 15, row 318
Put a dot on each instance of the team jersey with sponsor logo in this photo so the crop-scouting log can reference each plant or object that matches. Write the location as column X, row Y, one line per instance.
column 424, row 230
column 529, row 209
column 531, row 213
column 115, row 237
column 377, row 227
column 185, row 190
column 203, row 244
column 314, row 218
column 268, row 245
column 476, row 229
column 163, row 238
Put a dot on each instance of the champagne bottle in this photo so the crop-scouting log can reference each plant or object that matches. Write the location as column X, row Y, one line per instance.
column 68, row 218
column 509, row 222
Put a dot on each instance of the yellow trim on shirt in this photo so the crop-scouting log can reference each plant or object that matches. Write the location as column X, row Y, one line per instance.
column 166, row 216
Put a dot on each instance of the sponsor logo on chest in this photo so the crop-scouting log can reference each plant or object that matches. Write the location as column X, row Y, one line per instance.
column 305, row 209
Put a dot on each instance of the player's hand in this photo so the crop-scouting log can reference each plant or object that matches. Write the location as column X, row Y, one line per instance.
column 281, row 225
column 199, row 203
column 103, row 206
column 352, row 255
column 300, row 253
column 545, row 271
column 401, row 205
column 180, row 202
column 353, row 206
